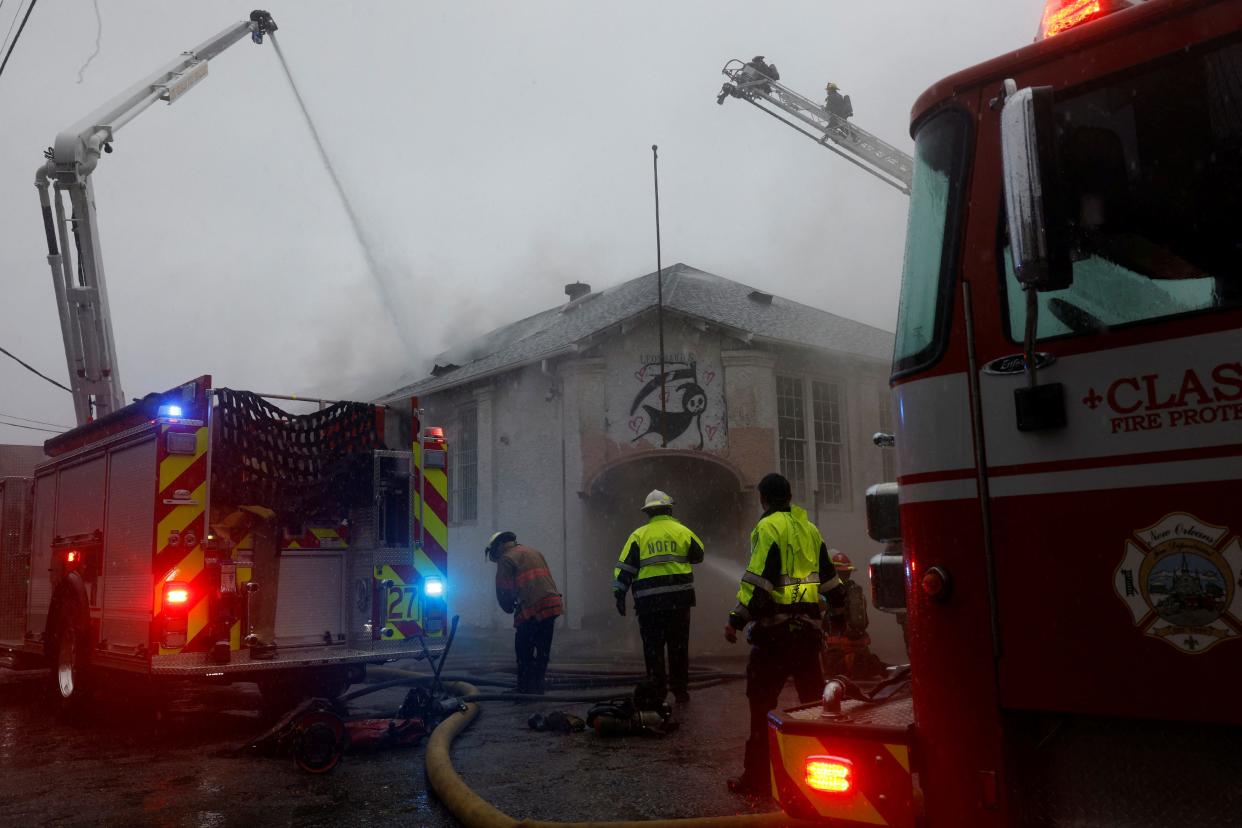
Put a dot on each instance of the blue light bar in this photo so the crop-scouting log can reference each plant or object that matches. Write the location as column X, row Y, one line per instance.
column 170, row 411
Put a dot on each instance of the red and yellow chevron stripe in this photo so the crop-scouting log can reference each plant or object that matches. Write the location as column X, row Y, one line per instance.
column 432, row 559
column 180, row 527
column 883, row 792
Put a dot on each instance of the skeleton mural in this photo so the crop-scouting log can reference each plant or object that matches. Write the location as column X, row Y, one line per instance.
column 685, row 401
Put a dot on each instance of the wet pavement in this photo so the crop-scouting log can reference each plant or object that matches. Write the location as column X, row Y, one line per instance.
column 122, row 765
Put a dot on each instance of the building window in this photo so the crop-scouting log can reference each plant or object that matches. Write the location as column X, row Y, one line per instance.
column 827, row 416
column 464, row 471
column 791, row 431
column 888, row 455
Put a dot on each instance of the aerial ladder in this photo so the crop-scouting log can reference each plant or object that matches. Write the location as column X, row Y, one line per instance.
column 77, row 270
column 859, row 147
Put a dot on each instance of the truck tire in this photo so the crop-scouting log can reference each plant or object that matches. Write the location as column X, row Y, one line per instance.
column 69, row 652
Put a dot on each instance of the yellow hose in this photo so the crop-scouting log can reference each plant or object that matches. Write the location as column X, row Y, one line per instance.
column 474, row 811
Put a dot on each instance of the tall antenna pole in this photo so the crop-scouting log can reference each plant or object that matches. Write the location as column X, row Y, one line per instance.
column 655, row 176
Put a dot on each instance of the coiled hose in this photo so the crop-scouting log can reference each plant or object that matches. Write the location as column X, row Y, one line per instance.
column 474, row 811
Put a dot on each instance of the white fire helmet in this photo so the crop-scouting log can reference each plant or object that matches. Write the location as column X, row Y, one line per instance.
column 656, row 500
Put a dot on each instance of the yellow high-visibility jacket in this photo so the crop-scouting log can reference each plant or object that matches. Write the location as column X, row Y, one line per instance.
column 789, row 570
column 655, row 563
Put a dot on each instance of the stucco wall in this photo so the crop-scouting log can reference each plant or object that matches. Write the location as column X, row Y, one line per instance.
column 547, row 430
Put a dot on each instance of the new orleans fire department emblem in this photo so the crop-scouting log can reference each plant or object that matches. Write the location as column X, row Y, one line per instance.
column 1179, row 580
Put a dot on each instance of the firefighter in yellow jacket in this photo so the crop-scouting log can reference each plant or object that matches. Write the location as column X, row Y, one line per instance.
column 656, row 564
column 524, row 587
column 778, row 602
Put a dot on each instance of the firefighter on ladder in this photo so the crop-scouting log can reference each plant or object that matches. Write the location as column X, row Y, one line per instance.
column 656, row 564
column 847, row 645
column 778, row 603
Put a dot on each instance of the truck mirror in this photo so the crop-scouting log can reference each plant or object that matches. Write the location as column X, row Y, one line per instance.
column 1038, row 230
column 883, row 516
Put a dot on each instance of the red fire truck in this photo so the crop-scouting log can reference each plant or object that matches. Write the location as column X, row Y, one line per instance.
column 170, row 536
column 1068, row 383
column 135, row 549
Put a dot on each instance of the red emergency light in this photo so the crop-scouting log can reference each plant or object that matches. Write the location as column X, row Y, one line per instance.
column 1062, row 15
column 829, row 774
column 176, row 594
column 72, row 556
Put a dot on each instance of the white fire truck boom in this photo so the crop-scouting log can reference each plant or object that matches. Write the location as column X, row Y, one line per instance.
column 81, row 292
column 859, row 147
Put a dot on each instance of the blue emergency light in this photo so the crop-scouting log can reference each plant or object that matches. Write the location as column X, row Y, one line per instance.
column 433, row 588
column 169, row 410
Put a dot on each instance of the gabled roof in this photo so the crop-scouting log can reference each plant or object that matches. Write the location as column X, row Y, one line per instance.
column 687, row 291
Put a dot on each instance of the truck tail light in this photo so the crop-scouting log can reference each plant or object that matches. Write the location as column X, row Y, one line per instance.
column 175, row 621
column 176, row 595
column 829, row 774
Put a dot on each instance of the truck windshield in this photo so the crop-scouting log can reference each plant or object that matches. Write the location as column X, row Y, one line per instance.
column 935, row 205
column 1150, row 168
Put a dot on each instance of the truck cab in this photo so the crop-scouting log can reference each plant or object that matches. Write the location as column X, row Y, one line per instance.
column 1068, row 390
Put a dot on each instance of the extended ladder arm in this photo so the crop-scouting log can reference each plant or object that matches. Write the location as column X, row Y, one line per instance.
column 855, row 145
column 81, row 293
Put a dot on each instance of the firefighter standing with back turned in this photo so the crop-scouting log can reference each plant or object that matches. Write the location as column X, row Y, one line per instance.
column 524, row 587
column 788, row 572
column 656, row 563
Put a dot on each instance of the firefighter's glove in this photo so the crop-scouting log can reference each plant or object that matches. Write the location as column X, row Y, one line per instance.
column 730, row 634
column 620, row 596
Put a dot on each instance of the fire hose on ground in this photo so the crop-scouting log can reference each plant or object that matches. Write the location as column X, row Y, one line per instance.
column 474, row 811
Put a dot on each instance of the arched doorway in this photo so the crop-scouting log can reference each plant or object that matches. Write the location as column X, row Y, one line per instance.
column 709, row 499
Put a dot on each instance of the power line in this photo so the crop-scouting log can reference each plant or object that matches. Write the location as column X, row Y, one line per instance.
column 12, row 23
column 32, row 428
column 34, row 370
column 36, row 422
column 17, row 36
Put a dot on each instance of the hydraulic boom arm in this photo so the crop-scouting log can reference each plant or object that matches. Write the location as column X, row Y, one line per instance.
column 857, row 146
column 81, row 294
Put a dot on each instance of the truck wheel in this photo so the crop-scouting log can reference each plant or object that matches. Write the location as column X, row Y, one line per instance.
column 70, row 656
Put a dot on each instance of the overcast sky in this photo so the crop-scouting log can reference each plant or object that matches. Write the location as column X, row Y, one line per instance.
column 494, row 151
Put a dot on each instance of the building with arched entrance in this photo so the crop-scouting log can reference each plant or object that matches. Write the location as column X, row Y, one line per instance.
column 556, row 432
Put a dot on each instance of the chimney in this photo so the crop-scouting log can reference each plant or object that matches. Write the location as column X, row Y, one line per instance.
column 577, row 290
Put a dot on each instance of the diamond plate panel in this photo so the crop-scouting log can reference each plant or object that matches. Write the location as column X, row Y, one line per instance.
column 197, row 664
column 895, row 714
